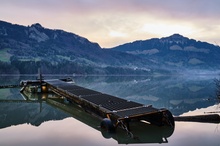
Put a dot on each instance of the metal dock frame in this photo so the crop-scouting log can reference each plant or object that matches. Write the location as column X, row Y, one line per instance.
column 114, row 111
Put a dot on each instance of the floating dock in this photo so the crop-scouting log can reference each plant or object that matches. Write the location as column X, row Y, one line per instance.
column 114, row 111
column 142, row 133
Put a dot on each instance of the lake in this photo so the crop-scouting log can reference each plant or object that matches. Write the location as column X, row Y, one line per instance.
column 37, row 122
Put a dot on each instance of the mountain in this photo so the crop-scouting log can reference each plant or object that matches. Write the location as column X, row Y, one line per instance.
column 24, row 49
column 175, row 52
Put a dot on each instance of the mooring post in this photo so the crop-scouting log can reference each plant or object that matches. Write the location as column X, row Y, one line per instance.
column 43, row 86
column 40, row 77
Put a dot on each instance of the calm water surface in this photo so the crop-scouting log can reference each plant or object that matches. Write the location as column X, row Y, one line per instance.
column 59, row 123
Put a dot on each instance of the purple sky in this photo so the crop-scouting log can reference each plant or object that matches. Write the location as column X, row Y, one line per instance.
column 114, row 22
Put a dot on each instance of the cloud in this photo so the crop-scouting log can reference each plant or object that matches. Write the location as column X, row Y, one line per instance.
column 186, row 8
column 116, row 34
column 102, row 20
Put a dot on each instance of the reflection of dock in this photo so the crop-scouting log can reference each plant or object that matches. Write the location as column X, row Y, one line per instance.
column 142, row 132
column 116, row 111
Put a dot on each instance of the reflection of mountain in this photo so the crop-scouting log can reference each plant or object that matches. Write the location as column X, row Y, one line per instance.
column 15, row 111
column 34, row 113
column 178, row 94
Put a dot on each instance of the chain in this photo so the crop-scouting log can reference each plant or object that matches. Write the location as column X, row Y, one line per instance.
column 124, row 127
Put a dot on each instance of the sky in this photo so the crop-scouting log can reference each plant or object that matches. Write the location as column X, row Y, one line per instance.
column 115, row 22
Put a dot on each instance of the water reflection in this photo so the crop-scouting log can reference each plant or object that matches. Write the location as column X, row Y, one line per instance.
column 35, row 110
column 178, row 94
column 15, row 112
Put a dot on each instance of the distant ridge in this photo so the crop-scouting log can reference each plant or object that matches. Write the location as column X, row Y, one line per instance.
column 175, row 52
